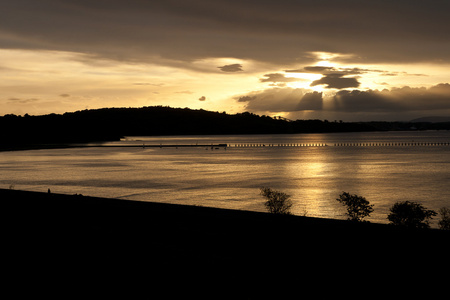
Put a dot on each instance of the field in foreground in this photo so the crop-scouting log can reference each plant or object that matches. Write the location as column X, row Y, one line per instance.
column 69, row 232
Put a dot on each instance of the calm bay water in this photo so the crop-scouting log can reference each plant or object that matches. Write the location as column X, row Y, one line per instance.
column 231, row 178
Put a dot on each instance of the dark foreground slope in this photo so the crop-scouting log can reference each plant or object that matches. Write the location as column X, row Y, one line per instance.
column 64, row 233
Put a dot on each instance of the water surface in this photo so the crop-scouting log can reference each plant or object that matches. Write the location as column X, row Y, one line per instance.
column 231, row 178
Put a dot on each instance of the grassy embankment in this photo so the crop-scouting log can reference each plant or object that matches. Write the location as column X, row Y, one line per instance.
column 78, row 240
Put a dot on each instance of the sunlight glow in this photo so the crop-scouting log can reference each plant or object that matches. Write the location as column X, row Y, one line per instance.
column 325, row 58
column 325, row 63
column 305, row 76
column 305, row 80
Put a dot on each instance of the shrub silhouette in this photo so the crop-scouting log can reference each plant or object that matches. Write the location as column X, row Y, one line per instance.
column 277, row 202
column 444, row 222
column 411, row 215
column 357, row 207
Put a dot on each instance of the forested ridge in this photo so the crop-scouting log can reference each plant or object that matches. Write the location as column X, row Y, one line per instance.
column 113, row 123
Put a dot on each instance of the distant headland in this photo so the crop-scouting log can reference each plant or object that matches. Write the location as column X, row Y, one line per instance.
column 110, row 124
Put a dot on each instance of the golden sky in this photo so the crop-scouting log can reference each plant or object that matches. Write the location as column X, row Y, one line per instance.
column 350, row 60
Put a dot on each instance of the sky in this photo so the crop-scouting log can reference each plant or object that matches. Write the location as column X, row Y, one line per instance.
column 351, row 60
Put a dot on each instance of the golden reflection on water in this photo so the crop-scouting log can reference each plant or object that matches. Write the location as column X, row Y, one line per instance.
column 314, row 176
column 312, row 190
column 319, row 175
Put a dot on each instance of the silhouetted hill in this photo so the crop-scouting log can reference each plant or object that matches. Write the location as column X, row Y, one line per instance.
column 113, row 123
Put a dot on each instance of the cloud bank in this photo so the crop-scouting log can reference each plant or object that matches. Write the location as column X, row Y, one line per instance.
column 396, row 100
column 435, row 99
column 271, row 31
column 282, row 100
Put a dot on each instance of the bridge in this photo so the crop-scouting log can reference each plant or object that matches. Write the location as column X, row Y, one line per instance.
column 366, row 144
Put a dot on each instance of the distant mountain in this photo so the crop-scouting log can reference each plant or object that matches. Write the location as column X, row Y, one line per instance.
column 431, row 120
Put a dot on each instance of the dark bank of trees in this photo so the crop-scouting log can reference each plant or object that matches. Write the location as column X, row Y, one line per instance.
column 113, row 123
column 406, row 214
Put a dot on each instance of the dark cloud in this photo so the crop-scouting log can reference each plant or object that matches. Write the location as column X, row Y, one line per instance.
column 397, row 100
column 231, row 68
column 64, row 95
column 364, row 101
column 336, row 81
column 272, row 31
column 396, row 104
column 282, row 100
column 311, row 101
column 334, row 77
column 202, row 98
column 278, row 77
column 312, row 69
column 246, row 98
column 333, row 70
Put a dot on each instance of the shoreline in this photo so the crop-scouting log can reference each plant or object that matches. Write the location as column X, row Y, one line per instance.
column 240, row 144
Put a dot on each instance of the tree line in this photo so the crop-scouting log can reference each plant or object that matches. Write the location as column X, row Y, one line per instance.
column 407, row 214
column 110, row 124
